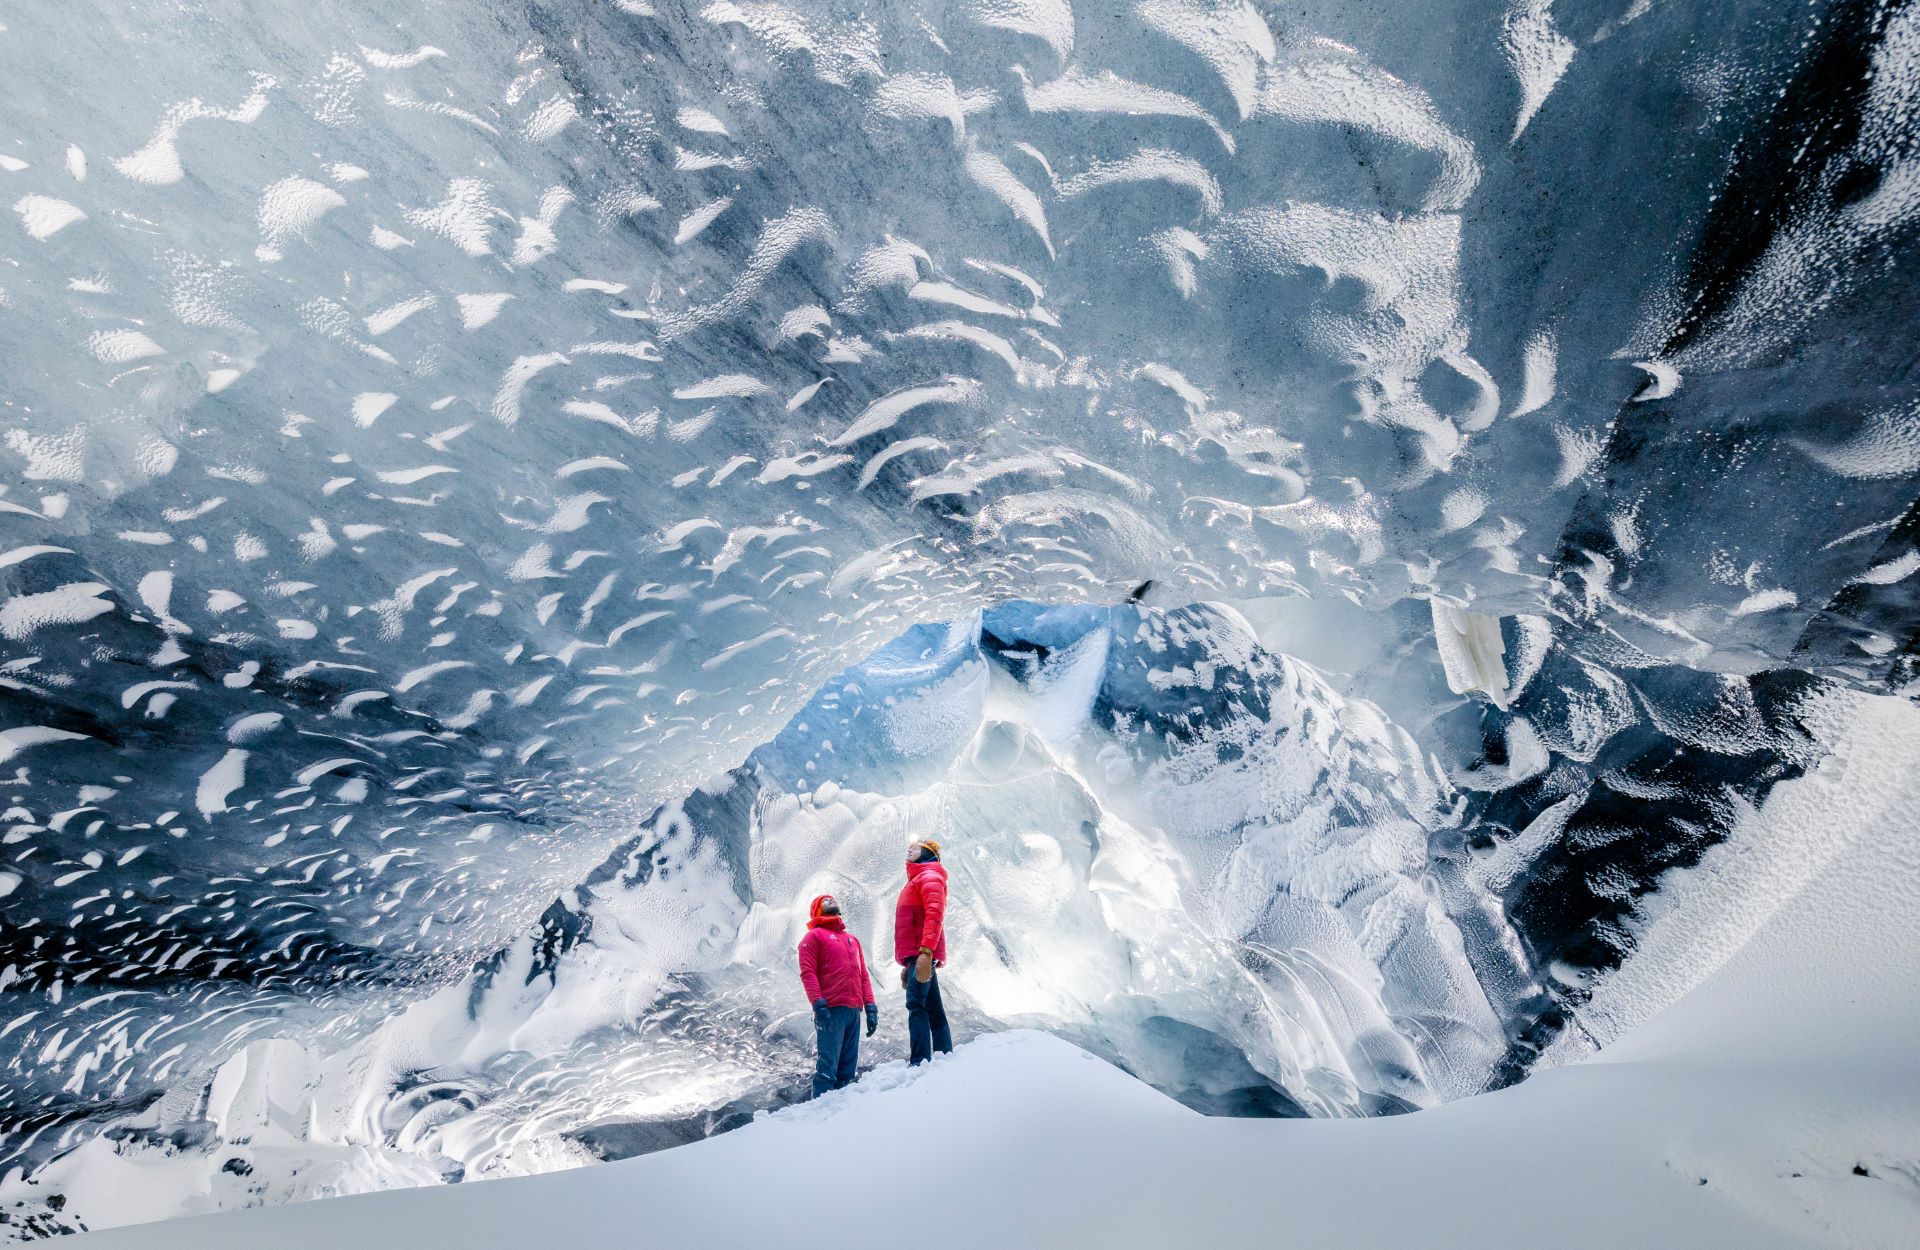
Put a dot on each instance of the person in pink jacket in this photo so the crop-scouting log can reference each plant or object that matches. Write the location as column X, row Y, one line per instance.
column 920, row 945
column 833, row 971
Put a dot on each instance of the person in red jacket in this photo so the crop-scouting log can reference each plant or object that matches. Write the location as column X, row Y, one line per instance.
column 920, row 944
column 833, row 971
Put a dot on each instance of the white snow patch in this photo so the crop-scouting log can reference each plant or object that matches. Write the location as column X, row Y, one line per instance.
column 43, row 216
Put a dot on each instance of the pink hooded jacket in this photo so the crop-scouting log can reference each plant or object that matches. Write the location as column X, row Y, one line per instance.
column 918, row 916
column 832, row 965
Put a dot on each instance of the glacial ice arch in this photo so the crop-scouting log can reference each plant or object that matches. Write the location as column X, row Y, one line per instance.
column 429, row 446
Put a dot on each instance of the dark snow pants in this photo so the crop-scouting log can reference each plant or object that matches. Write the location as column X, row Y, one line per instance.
column 927, row 1029
column 839, row 1049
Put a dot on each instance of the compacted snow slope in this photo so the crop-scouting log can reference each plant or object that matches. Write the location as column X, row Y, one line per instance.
column 1774, row 1105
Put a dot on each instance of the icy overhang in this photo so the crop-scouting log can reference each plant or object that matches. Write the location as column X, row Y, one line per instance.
column 430, row 445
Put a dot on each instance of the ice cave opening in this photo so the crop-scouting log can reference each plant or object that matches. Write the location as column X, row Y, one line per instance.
column 1380, row 543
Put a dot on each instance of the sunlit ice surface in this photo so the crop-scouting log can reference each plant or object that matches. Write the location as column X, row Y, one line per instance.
column 475, row 477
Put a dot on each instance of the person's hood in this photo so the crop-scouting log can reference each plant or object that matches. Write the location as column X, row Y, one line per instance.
column 931, row 866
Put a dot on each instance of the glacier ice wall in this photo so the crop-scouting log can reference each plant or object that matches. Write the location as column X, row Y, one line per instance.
column 435, row 438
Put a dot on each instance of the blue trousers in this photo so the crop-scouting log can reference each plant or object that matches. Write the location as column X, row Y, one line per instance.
column 927, row 1029
column 839, row 1049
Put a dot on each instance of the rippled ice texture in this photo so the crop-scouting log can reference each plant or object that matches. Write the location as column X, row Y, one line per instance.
column 435, row 436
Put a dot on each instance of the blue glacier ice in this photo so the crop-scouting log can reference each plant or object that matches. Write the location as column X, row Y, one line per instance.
column 1330, row 512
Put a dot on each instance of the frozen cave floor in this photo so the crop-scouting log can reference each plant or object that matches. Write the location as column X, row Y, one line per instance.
column 1777, row 1104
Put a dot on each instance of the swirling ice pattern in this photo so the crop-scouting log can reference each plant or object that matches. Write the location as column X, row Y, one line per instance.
column 433, row 441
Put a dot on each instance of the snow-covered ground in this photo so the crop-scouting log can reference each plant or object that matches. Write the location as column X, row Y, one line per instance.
column 1776, row 1104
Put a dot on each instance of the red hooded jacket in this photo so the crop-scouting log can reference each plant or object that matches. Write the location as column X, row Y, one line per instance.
column 832, row 965
column 918, row 916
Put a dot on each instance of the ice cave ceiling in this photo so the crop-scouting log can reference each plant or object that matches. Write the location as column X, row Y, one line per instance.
column 437, row 435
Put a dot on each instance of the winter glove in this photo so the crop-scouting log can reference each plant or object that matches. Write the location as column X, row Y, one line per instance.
column 923, row 966
column 873, row 1019
column 906, row 970
column 820, row 1012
